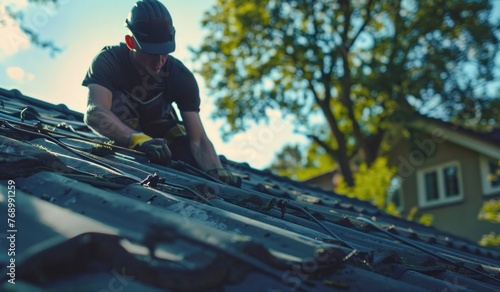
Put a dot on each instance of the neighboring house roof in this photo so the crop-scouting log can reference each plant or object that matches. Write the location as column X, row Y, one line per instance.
column 104, row 218
column 486, row 143
column 322, row 178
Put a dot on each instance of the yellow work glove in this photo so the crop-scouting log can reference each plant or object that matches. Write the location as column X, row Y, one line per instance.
column 225, row 176
column 156, row 149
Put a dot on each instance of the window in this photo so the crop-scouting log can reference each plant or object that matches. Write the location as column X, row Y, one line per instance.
column 490, row 175
column 431, row 186
column 395, row 193
column 440, row 184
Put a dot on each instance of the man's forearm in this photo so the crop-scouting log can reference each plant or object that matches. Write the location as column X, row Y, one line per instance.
column 205, row 155
column 108, row 124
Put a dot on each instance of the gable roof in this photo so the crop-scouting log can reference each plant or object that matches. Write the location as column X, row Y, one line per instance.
column 97, row 216
column 486, row 143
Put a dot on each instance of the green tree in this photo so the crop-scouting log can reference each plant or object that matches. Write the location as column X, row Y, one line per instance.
column 358, row 65
column 371, row 183
column 490, row 212
column 10, row 14
column 293, row 163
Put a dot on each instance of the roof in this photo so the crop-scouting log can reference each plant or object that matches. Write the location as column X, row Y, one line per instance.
column 486, row 142
column 98, row 217
column 322, row 178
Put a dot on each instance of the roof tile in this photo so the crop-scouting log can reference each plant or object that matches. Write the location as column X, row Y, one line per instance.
column 108, row 209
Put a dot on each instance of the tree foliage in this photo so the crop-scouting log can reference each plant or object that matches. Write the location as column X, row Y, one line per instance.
column 490, row 212
column 372, row 183
column 299, row 164
column 358, row 65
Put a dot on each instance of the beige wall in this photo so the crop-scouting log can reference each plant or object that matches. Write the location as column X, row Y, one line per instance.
column 458, row 218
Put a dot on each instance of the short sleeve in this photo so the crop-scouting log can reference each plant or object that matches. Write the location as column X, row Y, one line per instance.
column 185, row 90
column 101, row 71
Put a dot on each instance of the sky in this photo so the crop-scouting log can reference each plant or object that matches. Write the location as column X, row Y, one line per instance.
column 81, row 29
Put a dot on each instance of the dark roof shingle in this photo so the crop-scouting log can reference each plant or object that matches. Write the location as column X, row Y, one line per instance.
column 92, row 215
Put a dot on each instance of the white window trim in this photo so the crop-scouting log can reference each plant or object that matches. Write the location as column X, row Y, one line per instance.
column 422, row 201
column 488, row 189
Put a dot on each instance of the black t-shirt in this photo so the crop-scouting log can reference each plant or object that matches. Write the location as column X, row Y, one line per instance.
column 113, row 69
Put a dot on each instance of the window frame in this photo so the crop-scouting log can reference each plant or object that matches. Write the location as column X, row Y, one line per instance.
column 488, row 189
column 442, row 199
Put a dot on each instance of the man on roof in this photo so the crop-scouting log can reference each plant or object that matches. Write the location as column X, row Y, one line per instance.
column 131, row 90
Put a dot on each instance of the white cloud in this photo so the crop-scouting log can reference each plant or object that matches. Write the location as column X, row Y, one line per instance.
column 13, row 39
column 19, row 75
column 17, row 4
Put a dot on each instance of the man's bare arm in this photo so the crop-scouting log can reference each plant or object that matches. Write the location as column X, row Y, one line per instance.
column 99, row 117
column 201, row 147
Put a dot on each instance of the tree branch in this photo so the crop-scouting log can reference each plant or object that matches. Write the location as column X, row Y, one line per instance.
column 332, row 152
column 367, row 20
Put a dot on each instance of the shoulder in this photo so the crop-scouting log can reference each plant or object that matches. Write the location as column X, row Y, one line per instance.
column 175, row 66
column 182, row 86
column 179, row 74
column 115, row 54
column 109, row 67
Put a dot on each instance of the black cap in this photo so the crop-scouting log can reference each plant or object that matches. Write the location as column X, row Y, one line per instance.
column 152, row 28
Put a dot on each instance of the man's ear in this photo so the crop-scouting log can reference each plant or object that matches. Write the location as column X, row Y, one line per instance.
column 129, row 40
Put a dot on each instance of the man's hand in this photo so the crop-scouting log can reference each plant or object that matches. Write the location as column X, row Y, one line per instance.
column 156, row 149
column 225, row 176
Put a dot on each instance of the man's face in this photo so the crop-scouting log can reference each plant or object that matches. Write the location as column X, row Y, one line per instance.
column 148, row 62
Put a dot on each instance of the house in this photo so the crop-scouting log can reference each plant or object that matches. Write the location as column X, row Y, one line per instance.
column 81, row 214
column 446, row 171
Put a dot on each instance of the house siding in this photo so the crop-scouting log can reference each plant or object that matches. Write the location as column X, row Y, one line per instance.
column 459, row 218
